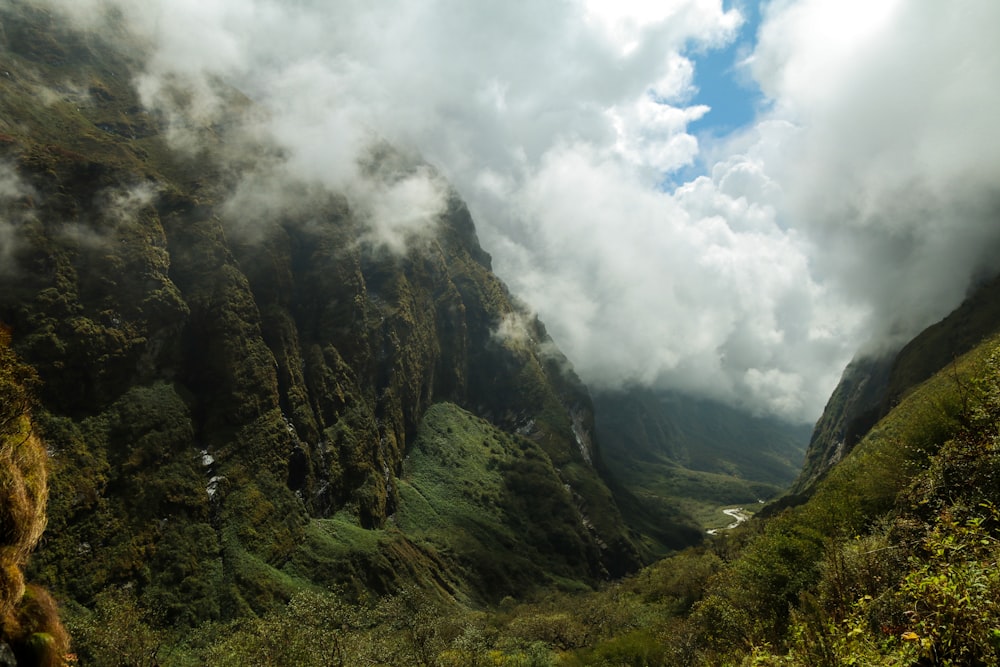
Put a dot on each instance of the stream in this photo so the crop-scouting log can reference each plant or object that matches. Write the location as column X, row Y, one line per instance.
column 738, row 514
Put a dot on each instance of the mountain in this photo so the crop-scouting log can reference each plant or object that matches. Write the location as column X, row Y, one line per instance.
column 695, row 455
column 244, row 403
column 263, row 432
column 886, row 557
column 873, row 384
column 888, row 560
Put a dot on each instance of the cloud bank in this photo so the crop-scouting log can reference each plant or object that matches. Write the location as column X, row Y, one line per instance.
column 855, row 210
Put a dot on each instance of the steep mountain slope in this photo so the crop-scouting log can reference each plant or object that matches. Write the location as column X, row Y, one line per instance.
column 695, row 454
column 872, row 385
column 230, row 399
column 891, row 560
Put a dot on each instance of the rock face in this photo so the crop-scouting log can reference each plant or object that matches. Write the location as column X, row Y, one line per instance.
column 872, row 386
column 214, row 388
column 853, row 408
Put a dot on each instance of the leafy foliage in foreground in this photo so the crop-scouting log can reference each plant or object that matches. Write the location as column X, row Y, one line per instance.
column 625, row 624
column 907, row 539
column 29, row 621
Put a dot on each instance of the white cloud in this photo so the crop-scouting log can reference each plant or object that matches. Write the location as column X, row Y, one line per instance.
column 863, row 201
column 892, row 173
column 401, row 211
column 515, row 330
column 119, row 206
column 628, row 24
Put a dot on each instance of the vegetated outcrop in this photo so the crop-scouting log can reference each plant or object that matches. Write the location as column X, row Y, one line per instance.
column 873, row 384
column 230, row 396
column 30, row 630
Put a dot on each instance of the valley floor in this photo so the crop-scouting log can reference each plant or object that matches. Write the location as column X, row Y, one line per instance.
column 738, row 514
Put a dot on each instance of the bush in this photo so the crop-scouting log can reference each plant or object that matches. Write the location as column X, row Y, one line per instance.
column 635, row 649
column 117, row 632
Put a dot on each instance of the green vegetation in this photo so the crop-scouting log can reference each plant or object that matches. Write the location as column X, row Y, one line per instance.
column 230, row 394
column 272, row 443
column 29, row 620
column 685, row 457
column 892, row 561
column 472, row 490
column 932, row 592
column 872, row 386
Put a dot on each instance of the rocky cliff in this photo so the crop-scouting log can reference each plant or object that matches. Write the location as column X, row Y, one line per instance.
column 230, row 393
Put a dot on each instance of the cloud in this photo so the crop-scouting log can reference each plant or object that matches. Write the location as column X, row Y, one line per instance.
column 892, row 171
column 122, row 205
column 697, row 290
column 855, row 210
column 118, row 206
column 317, row 108
column 515, row 329
column 406, row 209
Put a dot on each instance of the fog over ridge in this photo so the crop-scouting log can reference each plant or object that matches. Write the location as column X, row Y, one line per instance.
column 854, row 211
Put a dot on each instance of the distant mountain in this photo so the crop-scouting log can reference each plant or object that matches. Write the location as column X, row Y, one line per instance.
column 692, row 456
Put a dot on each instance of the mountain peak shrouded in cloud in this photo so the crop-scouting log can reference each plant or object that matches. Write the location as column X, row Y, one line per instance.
column 862, row 200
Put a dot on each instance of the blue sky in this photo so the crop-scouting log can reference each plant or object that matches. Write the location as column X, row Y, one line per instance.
column 724, row 86
column 733, row 95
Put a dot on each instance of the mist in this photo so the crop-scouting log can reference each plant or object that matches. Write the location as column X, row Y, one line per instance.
column 857, row 208
column 12, row 215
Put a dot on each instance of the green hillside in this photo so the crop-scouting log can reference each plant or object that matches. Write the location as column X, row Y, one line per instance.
column 872, row 385
column 890, row 562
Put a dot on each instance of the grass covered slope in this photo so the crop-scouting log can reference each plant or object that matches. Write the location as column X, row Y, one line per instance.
column 473, row 491
column 914, row 490
column 871, row 386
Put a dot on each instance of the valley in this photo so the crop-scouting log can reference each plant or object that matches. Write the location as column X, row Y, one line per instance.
column 252, row 413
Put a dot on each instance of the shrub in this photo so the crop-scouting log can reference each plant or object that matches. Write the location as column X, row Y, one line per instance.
column 118, row 632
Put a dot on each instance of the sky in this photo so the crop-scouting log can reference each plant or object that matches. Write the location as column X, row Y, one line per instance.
column 728, row 199
column 722, row 81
